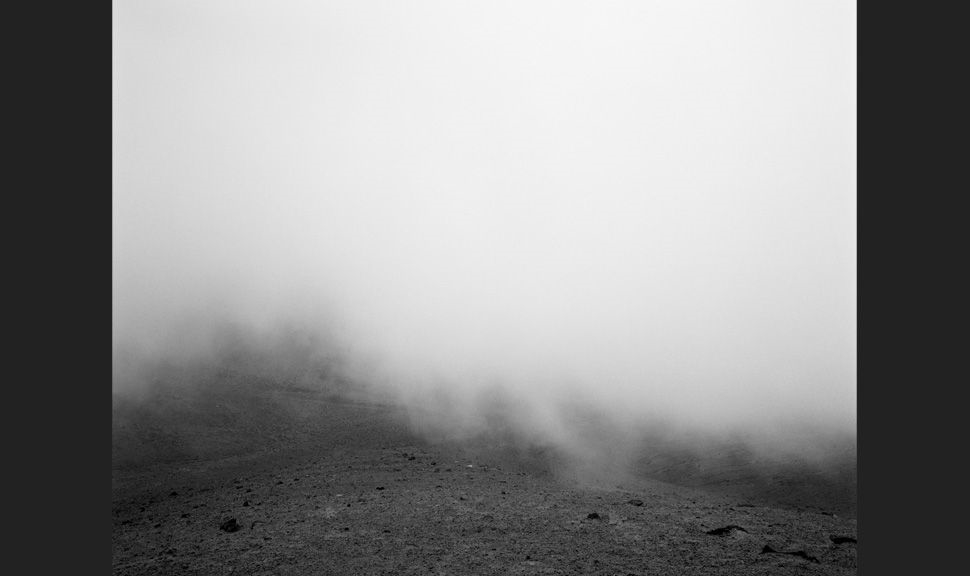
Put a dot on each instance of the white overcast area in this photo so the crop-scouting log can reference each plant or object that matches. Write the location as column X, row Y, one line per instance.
column 649, row 205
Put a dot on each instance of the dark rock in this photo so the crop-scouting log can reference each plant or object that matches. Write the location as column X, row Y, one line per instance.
column 246, row 503
column 799, row 553
column 229, row 525
column 843, row 539
column 635, row 502
column 802, row 554
column 592, row 516
column 379, row 488
column 724, row 531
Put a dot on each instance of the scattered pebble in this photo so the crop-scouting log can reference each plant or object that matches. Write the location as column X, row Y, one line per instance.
column 724, row 531
column 229, row 525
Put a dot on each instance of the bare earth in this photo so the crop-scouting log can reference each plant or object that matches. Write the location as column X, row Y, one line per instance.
column 283, row 480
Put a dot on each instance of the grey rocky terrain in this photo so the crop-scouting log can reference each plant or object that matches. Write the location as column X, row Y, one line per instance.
column 247, row 476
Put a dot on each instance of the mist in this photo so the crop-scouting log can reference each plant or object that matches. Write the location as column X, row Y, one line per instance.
column 642, row 210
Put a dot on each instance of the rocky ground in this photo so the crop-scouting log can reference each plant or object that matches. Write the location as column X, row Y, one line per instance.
column 284, row 480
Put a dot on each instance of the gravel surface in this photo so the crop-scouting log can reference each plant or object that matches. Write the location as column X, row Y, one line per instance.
column 347, row 488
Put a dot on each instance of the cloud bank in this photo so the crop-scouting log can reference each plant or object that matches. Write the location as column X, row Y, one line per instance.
column 643, row 208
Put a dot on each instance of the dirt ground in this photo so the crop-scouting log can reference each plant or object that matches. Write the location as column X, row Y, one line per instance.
column 281, row 480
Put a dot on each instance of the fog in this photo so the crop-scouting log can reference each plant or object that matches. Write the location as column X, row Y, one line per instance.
column 647, row 209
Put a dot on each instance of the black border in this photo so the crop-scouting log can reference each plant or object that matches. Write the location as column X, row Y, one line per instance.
column 58, row 405
column 910, row 494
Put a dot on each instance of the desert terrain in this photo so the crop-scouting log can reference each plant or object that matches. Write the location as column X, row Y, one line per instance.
column 228, row 472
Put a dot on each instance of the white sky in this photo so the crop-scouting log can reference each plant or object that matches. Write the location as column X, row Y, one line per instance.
column 654, row 201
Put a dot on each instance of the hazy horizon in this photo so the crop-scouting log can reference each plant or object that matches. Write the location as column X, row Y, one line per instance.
column 649, row 207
